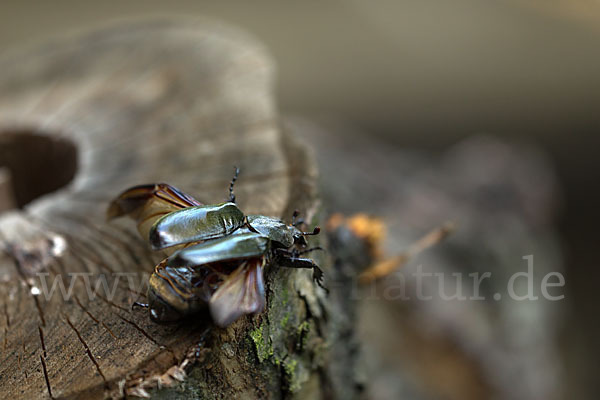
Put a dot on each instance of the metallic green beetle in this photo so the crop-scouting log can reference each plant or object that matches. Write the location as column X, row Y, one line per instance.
column 216, row 254
column 194, row 224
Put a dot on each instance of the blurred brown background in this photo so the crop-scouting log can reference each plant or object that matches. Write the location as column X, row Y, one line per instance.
column 425, row 73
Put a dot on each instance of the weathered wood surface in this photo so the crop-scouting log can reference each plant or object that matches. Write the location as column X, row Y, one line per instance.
column 179, row 102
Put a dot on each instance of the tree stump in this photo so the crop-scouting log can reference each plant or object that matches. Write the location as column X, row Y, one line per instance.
column 82, row 119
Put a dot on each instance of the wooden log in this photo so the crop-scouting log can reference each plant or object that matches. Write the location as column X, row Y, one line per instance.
column 82, row 119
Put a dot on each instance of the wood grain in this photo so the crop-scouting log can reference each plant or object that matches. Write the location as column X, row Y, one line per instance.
column 160, row 101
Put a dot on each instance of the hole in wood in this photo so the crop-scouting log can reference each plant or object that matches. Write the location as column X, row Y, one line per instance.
column 33, row 164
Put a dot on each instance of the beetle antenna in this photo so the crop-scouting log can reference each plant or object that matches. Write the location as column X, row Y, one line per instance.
column 235, row 176
column 314, row 232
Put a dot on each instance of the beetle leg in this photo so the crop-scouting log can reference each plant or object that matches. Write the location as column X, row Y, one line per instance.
column 138, row 304
column 284, row 252
column 294, row 253
column 235, row 176
column 196, row 353
column 297, row 253
column 290, row 261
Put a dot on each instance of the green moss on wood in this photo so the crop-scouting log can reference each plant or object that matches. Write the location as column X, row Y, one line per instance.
column 289, row 367
column 262, row 343
column 295, row 374
column 302, row 333
column 285, row 295
column 284, row 320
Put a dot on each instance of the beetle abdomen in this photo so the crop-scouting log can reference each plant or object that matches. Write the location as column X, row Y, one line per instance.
column 176, row 292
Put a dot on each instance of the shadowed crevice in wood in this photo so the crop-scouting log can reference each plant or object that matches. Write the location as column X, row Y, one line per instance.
column 113, row 304
column 87, row 349
column 93, row 318
column 39, row 309
column 39, row 163
column 42, row 340
column 46, row 377
column 19, row 357
column 143, row 332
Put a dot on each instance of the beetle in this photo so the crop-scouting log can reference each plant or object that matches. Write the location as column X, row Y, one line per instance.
column 216, row 254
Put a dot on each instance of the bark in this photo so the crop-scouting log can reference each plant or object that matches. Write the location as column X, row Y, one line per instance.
column 181, row 102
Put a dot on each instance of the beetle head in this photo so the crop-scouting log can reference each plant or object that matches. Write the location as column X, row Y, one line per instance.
column 300, row 237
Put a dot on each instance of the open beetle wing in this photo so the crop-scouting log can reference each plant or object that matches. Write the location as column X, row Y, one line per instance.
column 147, row 203
column 194, row 224
column 232, row 247
column 243, row 292
column 228, row 289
